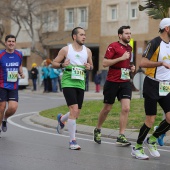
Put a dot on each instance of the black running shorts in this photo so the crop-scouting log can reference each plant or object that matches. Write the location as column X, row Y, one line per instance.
column 73, row 96
column 115, row 89
column 151, row 97
column 8, row 95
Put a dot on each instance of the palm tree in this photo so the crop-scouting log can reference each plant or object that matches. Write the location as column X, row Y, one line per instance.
column 156, row 9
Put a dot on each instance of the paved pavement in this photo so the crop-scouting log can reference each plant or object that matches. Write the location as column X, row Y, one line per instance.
column 110, row 133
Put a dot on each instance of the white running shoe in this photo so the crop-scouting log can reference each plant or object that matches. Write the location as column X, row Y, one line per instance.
column 139, row 153
column 74, row 146
column 152, row 147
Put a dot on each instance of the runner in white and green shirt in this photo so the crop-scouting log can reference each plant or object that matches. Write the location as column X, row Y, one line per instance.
column 77, row 59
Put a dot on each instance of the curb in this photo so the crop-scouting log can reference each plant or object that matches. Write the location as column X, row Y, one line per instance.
column 82, row 129
column 88, row 130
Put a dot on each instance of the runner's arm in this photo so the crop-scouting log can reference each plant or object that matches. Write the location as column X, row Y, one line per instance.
column 89, row 64
column 60, row 57
column 110, row 62
column 21, row 72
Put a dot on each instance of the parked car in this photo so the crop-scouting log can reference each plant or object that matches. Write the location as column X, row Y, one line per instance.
column 23, row 83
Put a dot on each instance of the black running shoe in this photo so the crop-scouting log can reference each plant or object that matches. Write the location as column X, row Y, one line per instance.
column 97, row 135
column 122, row 141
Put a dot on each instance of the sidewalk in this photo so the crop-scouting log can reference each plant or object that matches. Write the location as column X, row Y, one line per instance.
column 110, row 133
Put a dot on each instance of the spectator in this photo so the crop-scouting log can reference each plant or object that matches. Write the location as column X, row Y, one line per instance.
column 34, row 73
column 48, row 78
column 97, row 81
column 45, row 76
column 54, row 75
column 59, row 79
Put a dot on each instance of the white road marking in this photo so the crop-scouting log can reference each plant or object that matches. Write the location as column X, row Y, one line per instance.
column 49, row 133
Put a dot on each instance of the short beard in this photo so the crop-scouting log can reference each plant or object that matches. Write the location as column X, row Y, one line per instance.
column 78, row 42
column 125, row 41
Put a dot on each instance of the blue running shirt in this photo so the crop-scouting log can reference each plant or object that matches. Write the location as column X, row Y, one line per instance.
column 9, row 68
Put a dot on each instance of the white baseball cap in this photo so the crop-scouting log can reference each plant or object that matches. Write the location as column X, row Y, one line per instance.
column 164, row 23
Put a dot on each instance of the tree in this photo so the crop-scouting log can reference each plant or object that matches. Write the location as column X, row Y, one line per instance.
column 156, row 9
column 43, row 22
column 27, row 15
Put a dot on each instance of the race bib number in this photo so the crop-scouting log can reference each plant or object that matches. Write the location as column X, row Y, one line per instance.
column 125, row 74
column 77, row 73
column 164, row 88
column 12, row 76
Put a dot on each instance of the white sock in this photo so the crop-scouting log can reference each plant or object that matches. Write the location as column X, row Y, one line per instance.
column 64, row 118
column 71, row 123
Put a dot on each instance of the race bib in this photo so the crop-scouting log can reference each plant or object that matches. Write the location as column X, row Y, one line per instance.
column 77, row 73
column 12, row 76
column 125, row 74
column 164, row 88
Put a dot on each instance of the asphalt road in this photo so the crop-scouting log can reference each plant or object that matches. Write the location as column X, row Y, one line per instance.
column 26, row 146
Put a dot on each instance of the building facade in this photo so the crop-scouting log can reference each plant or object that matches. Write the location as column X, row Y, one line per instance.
column 100, row 19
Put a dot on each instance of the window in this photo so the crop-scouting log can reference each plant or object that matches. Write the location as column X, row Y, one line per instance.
column 134, row 8
column 50, row 21
column 69, row 19
column 82, row 17
column 76, row 17
column 112, row 13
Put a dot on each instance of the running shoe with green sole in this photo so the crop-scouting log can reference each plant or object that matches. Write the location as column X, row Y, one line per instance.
column 122, row 141
column 139, row 153
column 97, row 135
column 152, row 147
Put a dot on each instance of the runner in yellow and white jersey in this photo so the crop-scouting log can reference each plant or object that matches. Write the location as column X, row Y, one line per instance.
column 156, row 89
column 77, row 59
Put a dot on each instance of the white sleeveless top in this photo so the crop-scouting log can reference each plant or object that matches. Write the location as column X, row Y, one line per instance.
column 77, row 58
column 163, row 73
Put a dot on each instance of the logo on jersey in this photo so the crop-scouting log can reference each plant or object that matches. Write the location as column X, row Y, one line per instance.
column 12, row 64
column 77, row 56
column 166, row 57
column 109, row 48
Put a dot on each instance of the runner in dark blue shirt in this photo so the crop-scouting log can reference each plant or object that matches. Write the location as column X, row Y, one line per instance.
column 10, row 69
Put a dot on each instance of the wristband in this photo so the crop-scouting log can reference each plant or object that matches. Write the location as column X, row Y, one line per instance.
column 21, row 74
column 91, row 68
column 61, row 65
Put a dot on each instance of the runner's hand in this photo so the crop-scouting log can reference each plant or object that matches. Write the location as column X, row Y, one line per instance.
column 166, row 65
column 125, row 56
column 66, row 63
column 87, row 66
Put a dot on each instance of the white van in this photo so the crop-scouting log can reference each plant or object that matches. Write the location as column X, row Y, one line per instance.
column 23, row 83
